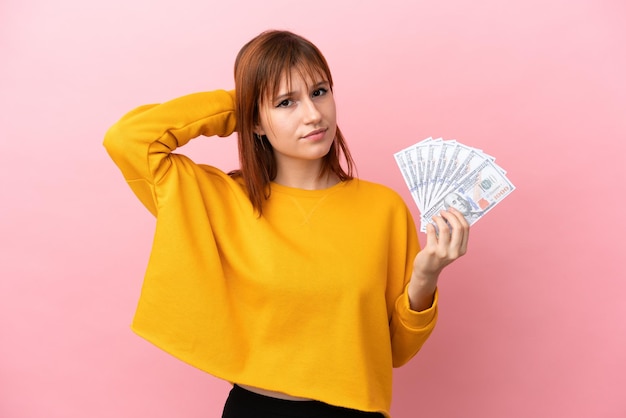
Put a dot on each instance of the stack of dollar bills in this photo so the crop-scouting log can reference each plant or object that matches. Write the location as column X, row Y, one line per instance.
column 445, row 173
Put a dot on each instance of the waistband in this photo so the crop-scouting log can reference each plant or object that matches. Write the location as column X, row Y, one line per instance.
column 242, row 403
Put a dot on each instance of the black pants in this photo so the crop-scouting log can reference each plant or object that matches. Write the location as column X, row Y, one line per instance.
column 242, row 403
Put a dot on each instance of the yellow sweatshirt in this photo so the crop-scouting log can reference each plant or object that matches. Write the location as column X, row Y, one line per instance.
column 308, row 299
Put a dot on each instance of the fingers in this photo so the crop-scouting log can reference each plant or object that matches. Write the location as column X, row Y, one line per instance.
column 431, row 236
column 460, row 229
column 446, row 240
column 444, row 230
column 453, row 232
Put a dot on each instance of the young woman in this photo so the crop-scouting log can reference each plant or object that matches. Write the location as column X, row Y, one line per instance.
column 289, row 278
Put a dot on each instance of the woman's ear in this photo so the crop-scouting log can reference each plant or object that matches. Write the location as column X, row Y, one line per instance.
column 258, row 130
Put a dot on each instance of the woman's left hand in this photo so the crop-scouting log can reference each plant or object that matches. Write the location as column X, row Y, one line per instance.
column 441, row 249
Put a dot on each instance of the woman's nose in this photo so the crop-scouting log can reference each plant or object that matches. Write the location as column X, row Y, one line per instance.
column 311, row 112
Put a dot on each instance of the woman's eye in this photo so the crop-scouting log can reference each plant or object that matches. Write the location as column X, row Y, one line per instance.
column 319, row 92
column 284, row 103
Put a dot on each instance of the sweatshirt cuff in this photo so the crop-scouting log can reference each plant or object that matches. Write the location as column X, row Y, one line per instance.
column 416, row 320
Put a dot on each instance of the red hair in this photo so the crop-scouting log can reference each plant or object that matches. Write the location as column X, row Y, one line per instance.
column 259, row 68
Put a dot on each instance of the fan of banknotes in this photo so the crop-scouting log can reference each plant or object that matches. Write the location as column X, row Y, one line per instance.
column 445, row 173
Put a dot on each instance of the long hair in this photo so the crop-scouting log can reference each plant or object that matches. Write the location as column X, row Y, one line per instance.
column 259, row 68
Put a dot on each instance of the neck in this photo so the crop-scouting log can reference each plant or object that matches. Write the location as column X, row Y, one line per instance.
column 307, row 178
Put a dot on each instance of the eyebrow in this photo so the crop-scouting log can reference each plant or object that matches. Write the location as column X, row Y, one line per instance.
column 317, row 85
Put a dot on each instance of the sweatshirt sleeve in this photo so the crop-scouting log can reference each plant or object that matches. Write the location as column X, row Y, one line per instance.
column 409, row 329
column 142, row 141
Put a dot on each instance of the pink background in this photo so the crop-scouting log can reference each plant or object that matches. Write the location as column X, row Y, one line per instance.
column 533, row 319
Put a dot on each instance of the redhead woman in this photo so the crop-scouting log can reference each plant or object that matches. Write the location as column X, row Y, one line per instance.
column 289, row 277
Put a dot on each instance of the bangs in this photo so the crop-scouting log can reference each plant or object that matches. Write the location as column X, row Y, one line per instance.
column 304, row 62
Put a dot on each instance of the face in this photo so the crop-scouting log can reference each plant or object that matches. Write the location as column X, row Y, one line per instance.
column 300, row 122
column 457, row 202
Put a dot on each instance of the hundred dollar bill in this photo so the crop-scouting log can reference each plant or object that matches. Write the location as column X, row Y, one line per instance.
column 474, row 194
column 442, row 157
column 431, row 153
column 412, row 166
column 407, row 168
column 463, row 163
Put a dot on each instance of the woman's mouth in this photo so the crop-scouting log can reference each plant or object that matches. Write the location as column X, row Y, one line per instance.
column 315, row 135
